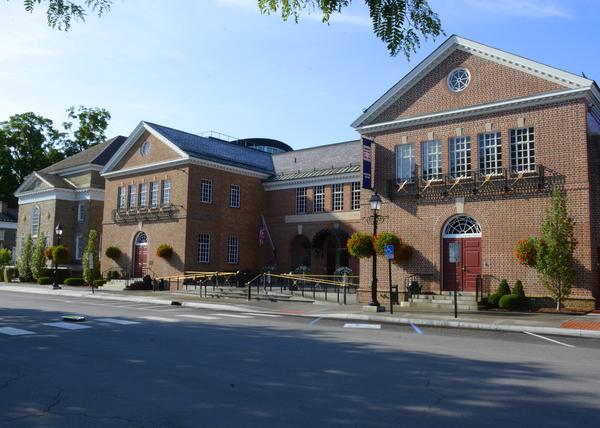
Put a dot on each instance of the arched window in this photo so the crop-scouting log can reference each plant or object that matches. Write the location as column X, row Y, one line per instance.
column 462, row 226
column 141, row 239
column 35, row 221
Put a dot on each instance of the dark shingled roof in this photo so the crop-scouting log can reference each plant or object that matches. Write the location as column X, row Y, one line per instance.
column 7, row 218
column 216, row 150
column 315, row 173
column 321, row 158
column 97, row 155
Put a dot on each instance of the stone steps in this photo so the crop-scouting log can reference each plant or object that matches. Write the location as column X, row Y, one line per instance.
column 466, row 301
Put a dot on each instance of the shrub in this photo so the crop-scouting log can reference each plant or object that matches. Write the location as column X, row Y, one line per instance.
column 113, row 274
column 45, row 280
column 74, row 281
column 60, row 254
column 510, row 302
column 38, row 258
column 360, row 245
column 113, row 252
column 502, row 290
column 526, row 251
column 61, row 274
column 93, row 273
column 518, row 290
column 24, row 262
column 164, row 251
column 10, row 273
column 5, row 258
column 99, row 283
column 384, row 238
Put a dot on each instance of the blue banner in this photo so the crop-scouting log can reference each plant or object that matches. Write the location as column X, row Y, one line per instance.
column 366, row 163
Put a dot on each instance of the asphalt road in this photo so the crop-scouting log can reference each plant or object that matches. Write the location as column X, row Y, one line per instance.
column 147, row 365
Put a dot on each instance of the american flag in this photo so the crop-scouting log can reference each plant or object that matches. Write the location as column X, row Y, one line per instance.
column 262, row 231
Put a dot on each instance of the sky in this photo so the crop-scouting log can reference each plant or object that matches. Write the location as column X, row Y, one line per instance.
column 201, row 65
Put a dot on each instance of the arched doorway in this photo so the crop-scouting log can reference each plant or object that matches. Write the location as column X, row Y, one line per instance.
column 140, row 255
column 464, row 232
column 300, row 251
column 332, row 244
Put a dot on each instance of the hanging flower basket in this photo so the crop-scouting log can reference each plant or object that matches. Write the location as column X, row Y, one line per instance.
column 60, row 254
column 48, row 253
column 164, row 251
column 113, row 252
column 385, row 238
column 360, row 245
column 526, row 251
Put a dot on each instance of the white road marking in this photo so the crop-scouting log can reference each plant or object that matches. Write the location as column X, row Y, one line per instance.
column 160, row 319
column 316, row 320
column 10, row 331
column 259, row 314
column 367, row 326
column 199, row 317
column 233, row 315
column 67, row 325
column 117, row 321
column 549, row 340
column 416, row 328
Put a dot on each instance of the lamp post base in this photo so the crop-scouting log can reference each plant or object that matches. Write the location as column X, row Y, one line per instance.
column 370, row 308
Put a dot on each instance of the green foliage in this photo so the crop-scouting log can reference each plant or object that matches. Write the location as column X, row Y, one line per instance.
column 384, row 238
column 74, row 281
column 61, row 274
column 38, row 258
column 45, row 280
column 360, row 245
column 519, row 291
column 10, row 273
column 555, row 263
column 113, row 252
column 24, row 262
column 526, row 251
column 92, row 122
column 5, row 258
column 510, row 302
column 502, row 290
column 60, row 13
column 90, row 274
column 164, row 251
column 60, row 254
column 401, row 24
column 99, row 283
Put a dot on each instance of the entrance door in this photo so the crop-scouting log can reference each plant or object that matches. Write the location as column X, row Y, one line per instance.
column 466, row 232
column 140, row 256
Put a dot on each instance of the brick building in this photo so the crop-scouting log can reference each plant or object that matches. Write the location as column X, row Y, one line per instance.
column 467, row 147
column 207, row 197
column 70, row 192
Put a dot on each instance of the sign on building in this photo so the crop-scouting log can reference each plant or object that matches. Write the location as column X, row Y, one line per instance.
column 366, row 163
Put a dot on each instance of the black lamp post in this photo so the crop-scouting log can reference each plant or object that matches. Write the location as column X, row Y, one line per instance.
column 58, row 232
column 375, row 203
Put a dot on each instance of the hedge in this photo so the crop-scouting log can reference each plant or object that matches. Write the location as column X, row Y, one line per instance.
column 502, row 290
column 510, row 302
column 74, row 281
column 61, row 274
column 45, row 280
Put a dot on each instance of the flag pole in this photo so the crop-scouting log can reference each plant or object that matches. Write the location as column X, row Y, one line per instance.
column 270, row 239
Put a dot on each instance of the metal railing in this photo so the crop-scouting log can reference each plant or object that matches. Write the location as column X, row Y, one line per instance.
column 162, row 212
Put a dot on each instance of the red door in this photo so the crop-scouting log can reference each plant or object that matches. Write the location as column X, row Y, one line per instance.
column 140, row 264
column 468, row 268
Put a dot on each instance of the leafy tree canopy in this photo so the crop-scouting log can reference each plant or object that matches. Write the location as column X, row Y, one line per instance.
column 60, row 13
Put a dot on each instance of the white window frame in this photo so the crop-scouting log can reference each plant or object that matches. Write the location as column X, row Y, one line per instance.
column 36, row 215
column 166, row 192
column 204, row 248
column 431, row 157
column 490, row 153
column 122, row 198
column 405, row 162
column 522, row 150
column 301, row 200
column 131, row 197
column 81, row 212
column 154, row 194
column 206, row 195
column 337, row 196
column 143, row 195
column 319, row 199
column 233, row 250
column 78, row 247
column 355, row 195
column 234, row 195
column 459, row 154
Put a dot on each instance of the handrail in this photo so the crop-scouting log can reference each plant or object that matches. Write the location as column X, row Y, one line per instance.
column 199, row 274
column 315, row 280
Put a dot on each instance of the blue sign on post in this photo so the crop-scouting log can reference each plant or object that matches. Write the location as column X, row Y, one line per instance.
column 389, row 251
column 366, row 163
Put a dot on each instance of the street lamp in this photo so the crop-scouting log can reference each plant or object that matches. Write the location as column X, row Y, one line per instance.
column 58, row 232
column 375, row 203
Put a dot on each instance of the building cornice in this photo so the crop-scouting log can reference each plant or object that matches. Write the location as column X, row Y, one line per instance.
column 310, row 182
column 8, row 225
column 87, row 194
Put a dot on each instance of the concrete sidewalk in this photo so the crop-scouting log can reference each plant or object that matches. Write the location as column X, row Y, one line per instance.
column 541, row 323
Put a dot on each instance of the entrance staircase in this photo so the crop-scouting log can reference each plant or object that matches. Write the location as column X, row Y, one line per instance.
column 466, row 301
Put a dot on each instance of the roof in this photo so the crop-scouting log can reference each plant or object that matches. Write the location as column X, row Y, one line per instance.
column 315, row 173
column 317, row 160
column 216, row 150
column 98, row 154
column 54, row 180
column 7, row 218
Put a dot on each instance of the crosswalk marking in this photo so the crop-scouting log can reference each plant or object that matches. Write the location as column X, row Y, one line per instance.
column 367, row 326
column 258, row 314
column 67, row 325
column 10, row 331
column 117, row 321
column 199, row 317
column 160, row 319
column 233, row 315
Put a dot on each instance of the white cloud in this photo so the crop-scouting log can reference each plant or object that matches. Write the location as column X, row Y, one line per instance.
column 528, row 8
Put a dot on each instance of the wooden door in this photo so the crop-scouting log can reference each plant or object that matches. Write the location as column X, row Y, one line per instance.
column 468, row 268
column 140, row 267
column 452, row 271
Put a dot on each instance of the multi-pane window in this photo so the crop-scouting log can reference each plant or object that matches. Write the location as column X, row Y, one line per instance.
column 233, row 250
column 35, row 221
column 356, row 195
column 460, row 157
column 206, row 191
column 80, row 212
column 143, row 195
column 122, row 198
column 166, row 192
column 338, row 197
column 234, row 196
column 132, row 197
column 203, row 248
column 154, row 194
column 78, row 247
column 490, row 153
column 319, row 199
column 405, row 162
column 431, row 154
column 300, row 200
column 522, row 153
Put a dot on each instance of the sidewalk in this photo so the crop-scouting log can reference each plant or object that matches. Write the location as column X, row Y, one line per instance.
column 541, row 323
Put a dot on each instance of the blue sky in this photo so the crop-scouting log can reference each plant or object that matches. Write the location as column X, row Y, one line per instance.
column 220, row 65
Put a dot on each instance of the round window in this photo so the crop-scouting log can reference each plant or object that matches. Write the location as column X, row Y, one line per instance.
column 458, row 79
column 145, row 149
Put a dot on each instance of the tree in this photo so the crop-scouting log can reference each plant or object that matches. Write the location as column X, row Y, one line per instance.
column 90, row 274
column 24, row 262
column 401, row 24
column 555, row 264
column 61, row 12
column 92, row 122
column 38, row 258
